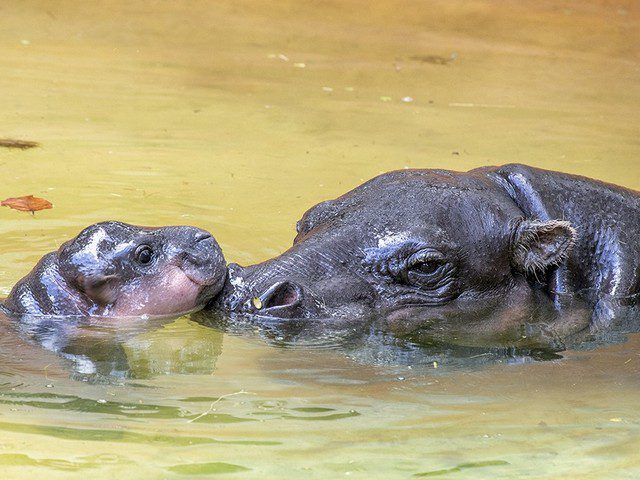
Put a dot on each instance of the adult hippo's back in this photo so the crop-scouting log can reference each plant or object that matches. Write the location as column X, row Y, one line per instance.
column 500, row 256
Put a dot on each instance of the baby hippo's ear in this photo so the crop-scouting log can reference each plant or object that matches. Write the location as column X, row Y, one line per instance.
column 539, row 245
column 101, row 289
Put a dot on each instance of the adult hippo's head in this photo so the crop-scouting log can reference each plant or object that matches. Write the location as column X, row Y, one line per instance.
column 440, row 255
column 116, row 270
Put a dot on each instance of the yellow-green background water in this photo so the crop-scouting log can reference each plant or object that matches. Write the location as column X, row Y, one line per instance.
column 236, row 116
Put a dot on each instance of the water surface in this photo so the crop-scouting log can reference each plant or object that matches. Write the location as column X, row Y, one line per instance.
column 236, row 117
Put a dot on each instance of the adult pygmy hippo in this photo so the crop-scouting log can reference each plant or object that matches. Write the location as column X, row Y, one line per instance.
column 509, row 255
column 114, row 269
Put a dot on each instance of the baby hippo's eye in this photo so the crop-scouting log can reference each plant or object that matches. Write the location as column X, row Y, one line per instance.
column 144, row 254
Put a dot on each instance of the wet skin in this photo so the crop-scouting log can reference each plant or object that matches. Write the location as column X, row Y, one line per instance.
column 498, row 256
column 113, row 269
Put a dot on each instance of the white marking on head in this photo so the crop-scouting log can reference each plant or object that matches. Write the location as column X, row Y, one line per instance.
column 122, row 247
column 237, row 282
column 89, row 253
column 388, row 239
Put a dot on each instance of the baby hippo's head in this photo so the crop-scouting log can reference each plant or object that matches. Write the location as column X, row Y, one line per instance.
column 117, row 270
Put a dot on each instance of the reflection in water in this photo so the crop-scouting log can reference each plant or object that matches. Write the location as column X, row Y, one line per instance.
column 374, row 340
column 366, row 341
column 179, row 348
column 99, row 349
column 332, row 393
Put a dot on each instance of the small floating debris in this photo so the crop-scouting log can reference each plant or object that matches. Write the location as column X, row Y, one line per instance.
column 435, row 59
column 386, row 99
column 407, row 99
column 327, row 89
column 25, row 42
column 281, row 56
column 28, row 203
column 349, row 89
column 300, row 65
column 21, row 144
column 481, row 105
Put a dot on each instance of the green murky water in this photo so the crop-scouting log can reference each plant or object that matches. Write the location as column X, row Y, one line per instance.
column 236, row 117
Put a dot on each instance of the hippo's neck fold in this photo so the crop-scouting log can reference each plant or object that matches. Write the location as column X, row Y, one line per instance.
column 46, row 292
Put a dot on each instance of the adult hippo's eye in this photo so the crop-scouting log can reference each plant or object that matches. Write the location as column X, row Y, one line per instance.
column 144, row 254
column 424, row 267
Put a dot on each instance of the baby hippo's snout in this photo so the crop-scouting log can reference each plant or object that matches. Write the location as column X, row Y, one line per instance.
column 118, row 270
column 203, row 261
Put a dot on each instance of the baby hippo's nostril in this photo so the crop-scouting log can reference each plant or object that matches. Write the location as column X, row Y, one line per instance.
column 202, row 235
column 281, row 295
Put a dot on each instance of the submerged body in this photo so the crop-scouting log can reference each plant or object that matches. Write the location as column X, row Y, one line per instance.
column 113, row 269
column 500, row 256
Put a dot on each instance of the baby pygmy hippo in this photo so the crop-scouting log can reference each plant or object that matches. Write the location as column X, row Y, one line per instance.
column 113, row 269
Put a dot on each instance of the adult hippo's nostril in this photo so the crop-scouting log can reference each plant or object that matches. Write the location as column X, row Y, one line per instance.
column 281, row 296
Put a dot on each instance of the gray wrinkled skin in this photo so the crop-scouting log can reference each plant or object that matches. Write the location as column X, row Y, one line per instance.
column 113, row 269
column 499, row 256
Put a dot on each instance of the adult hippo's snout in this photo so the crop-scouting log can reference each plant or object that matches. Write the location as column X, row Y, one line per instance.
column 497, row 253
column 281, row 298
column 270, row 291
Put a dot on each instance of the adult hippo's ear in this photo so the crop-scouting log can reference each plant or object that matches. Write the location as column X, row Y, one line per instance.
column 540, row 245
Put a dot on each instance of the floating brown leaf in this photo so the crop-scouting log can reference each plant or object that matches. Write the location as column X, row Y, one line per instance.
column 21, row 144
column 27, row 204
